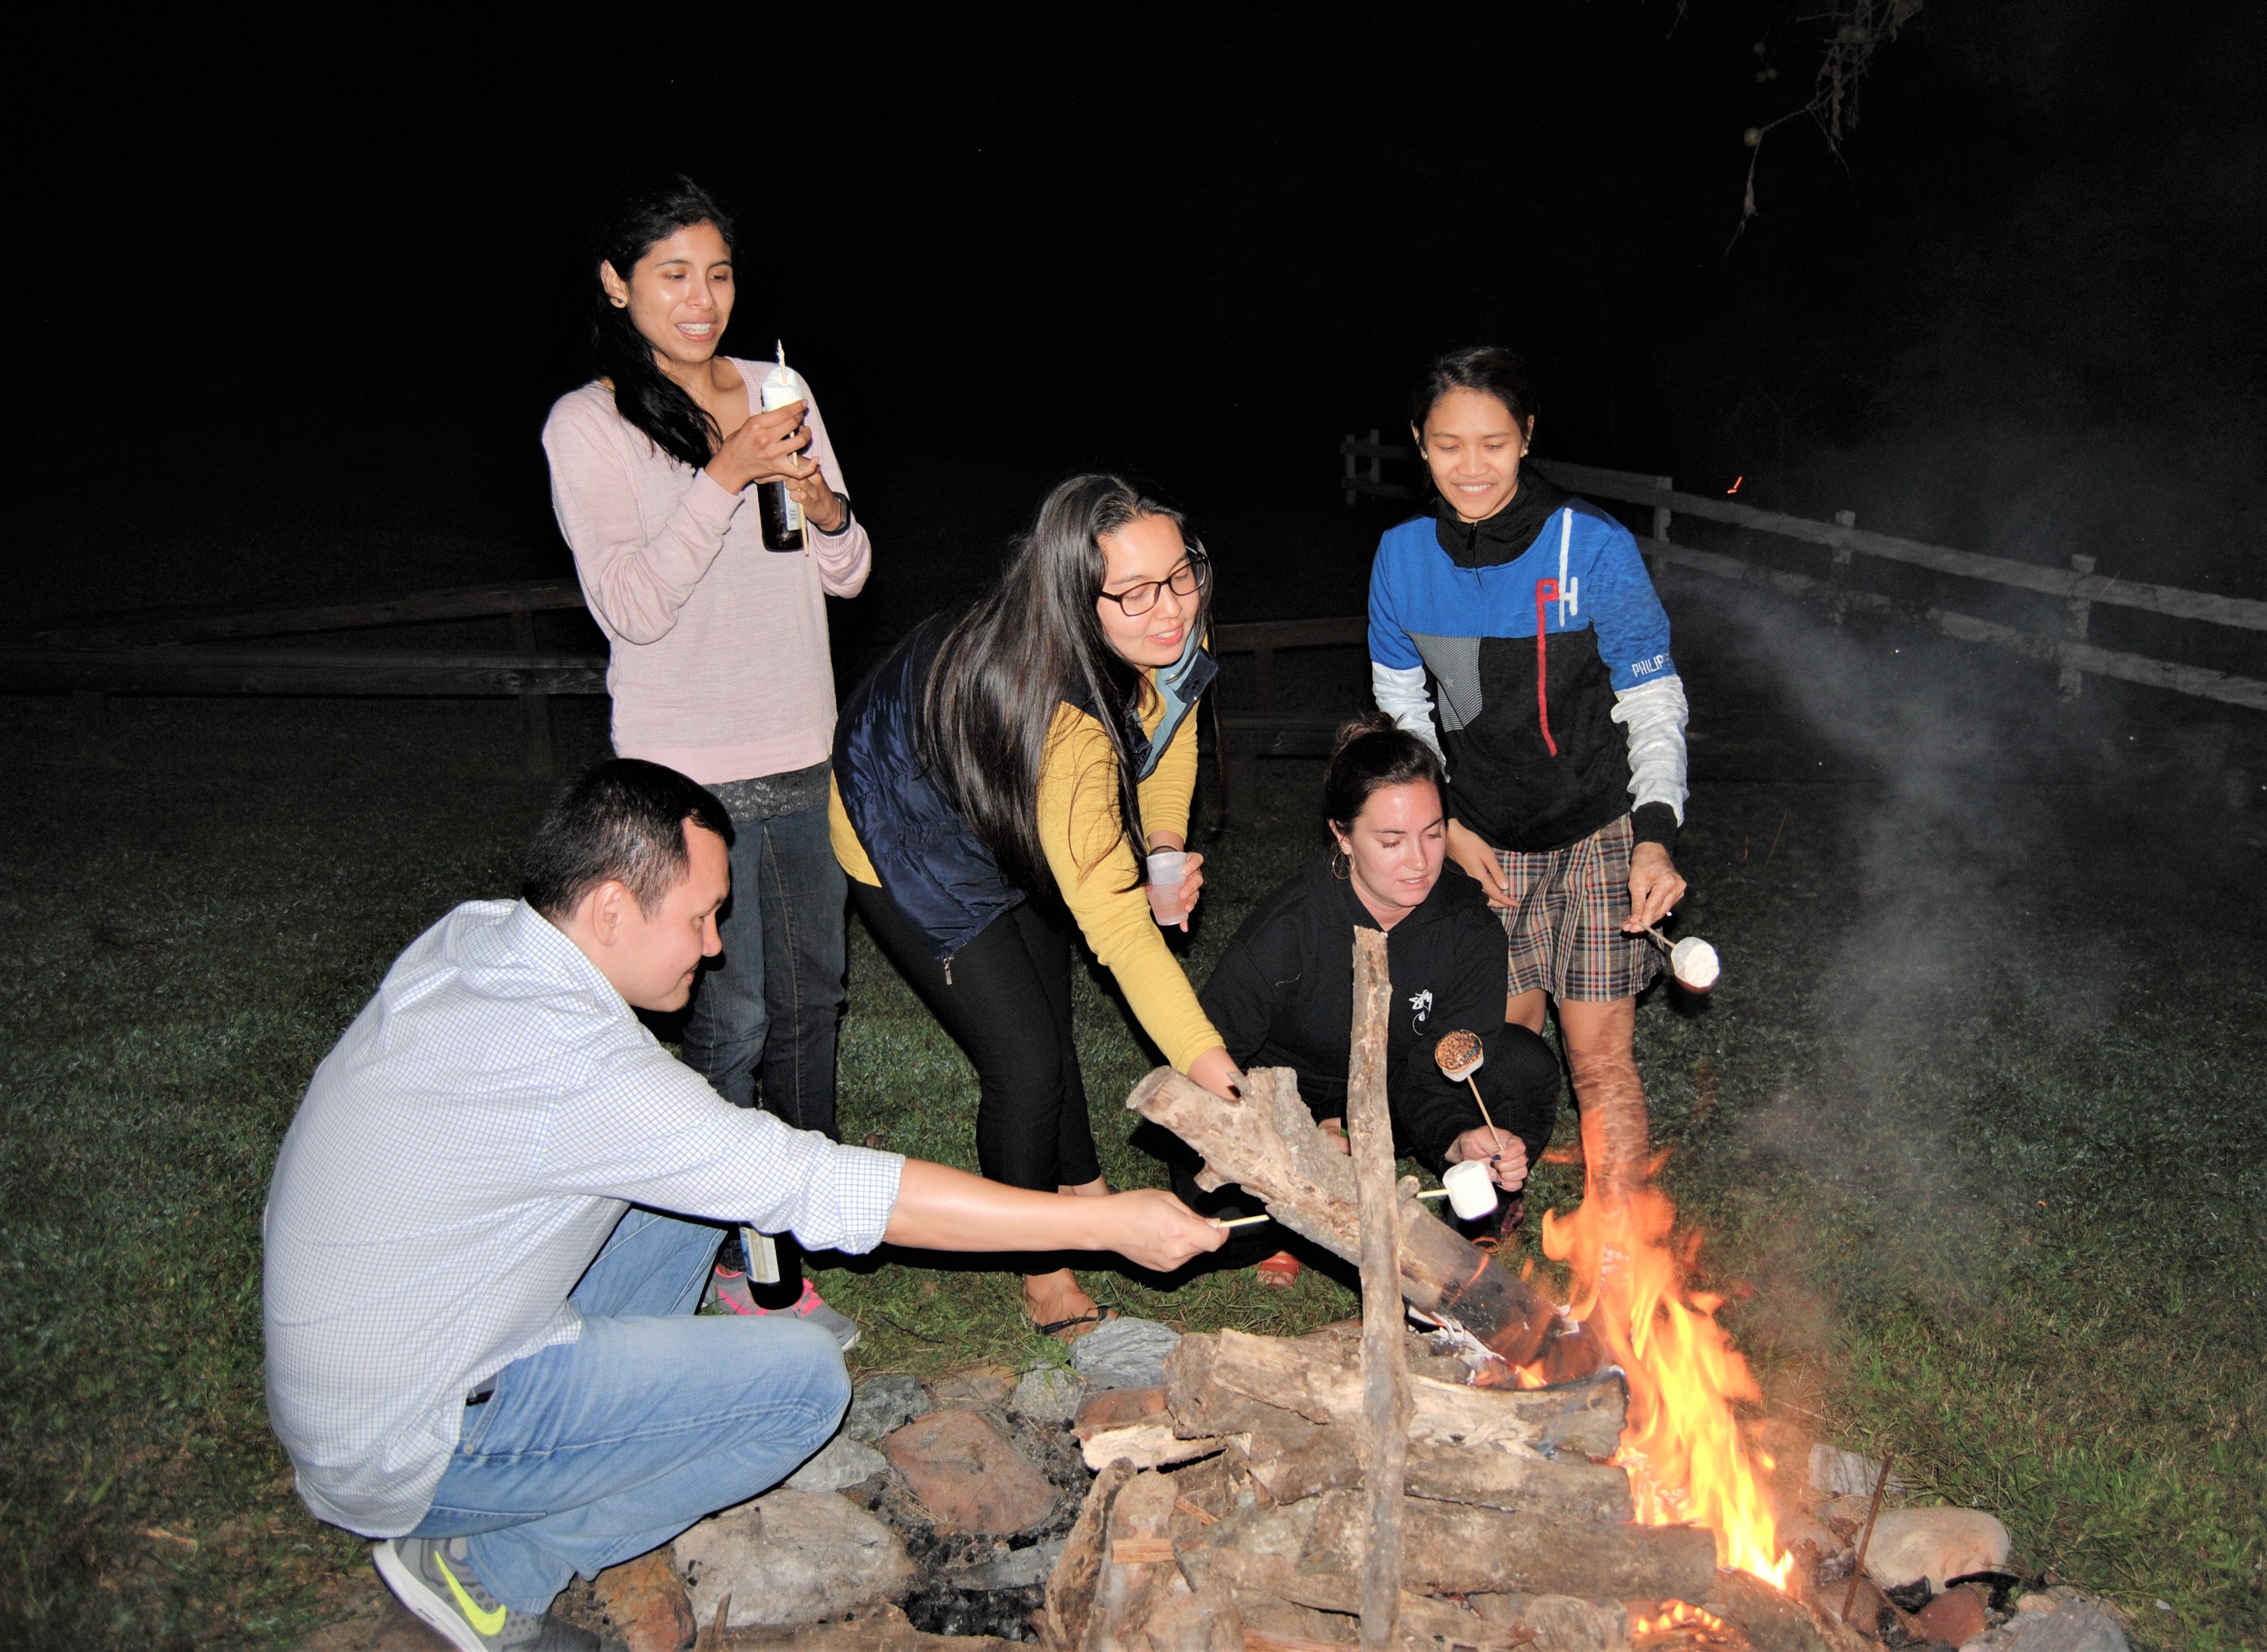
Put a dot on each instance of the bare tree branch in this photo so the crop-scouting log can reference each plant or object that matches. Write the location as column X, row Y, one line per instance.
column 1853, row 30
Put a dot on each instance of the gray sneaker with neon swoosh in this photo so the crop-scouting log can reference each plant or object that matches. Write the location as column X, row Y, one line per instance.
column 435, row 1580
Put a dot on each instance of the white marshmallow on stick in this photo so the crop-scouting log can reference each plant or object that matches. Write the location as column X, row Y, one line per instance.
column 1692, row 960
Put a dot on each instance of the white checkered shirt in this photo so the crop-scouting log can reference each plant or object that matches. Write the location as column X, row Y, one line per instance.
column 458, row 1160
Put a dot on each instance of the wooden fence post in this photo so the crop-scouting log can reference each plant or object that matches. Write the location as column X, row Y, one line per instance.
column 1837, row 574
column 2069, row 678
column 1661, row 513
column 1386, row 1401
column 535, row 709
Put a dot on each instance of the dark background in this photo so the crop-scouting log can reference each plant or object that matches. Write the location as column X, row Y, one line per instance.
column 298, row 297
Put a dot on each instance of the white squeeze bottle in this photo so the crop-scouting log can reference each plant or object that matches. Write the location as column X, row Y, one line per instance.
column 782, row 516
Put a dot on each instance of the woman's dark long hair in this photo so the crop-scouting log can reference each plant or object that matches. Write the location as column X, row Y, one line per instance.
column 1032, row 641
column 644, row 394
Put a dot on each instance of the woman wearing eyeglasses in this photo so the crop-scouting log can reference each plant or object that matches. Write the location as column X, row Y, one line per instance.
column 1003, row 776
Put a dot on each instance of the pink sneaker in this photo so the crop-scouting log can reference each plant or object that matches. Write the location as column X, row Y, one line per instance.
column 730, row 1289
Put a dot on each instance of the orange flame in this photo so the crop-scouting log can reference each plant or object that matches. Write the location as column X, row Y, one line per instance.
column 1681, row 1443
column 1675, row 1614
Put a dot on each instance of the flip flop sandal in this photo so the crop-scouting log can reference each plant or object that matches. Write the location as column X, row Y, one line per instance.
column 1068, row 1330
column 1279, row 1272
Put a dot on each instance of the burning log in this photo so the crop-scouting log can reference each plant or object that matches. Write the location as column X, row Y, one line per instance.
column 1775, row 1622
column 1266, row 1538
column 1268, row 1143
column 1293, row 1467
column 1230, row 1383
column 1310, row 1553
column 1455, row 1550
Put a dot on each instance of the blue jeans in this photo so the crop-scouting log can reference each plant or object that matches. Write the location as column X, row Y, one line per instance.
column 594, row 1451
column 774, row 997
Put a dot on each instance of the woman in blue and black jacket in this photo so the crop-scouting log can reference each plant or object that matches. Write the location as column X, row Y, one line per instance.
column 1515, row 629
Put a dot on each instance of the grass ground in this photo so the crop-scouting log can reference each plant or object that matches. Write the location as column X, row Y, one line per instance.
column 1983, row 1130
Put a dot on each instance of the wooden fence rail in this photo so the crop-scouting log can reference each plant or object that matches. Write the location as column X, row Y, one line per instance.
column 1263, row 731
column 164, row 625
column 169, row 651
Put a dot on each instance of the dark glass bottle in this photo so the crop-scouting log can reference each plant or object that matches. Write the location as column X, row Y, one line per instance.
column 782, row 516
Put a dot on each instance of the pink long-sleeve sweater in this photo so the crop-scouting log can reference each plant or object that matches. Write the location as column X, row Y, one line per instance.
column 718, row 663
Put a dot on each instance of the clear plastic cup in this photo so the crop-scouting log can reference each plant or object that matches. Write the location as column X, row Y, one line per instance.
column 1167, row 871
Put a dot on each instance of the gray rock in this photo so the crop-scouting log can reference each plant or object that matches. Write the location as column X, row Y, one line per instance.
column 791, row 1558
column 884, row 1404
column 1937, row 1544
column 1124, row 1354
column 1048, row 1393
column 1836, row 1473
column 2055, row 1620
column 1018, row 1568
column 842, row 1461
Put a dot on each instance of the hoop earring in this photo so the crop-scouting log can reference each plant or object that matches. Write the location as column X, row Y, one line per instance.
column 1340, row 867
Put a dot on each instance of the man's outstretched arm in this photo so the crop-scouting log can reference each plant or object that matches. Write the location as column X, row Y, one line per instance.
column 940, row 1208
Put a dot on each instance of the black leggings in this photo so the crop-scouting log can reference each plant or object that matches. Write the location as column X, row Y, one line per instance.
column 1008, row 1006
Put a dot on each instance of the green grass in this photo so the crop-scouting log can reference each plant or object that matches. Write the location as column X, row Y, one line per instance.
column 1999, row 1204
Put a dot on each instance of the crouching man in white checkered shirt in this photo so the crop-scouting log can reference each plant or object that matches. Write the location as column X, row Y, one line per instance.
column 481, row 1346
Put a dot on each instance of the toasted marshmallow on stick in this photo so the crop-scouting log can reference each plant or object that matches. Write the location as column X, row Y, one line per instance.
column 1460, row 1057
column 1459, row 1054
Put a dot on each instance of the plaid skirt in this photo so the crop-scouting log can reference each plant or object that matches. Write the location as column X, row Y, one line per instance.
column 1565, row 927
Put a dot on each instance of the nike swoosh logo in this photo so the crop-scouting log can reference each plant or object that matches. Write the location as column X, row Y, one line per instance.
column 483, row 1622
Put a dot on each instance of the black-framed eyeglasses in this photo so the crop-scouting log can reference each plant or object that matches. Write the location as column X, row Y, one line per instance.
column 1191, row 576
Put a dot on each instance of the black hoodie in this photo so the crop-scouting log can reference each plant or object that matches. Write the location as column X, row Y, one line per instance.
column 1282, row 996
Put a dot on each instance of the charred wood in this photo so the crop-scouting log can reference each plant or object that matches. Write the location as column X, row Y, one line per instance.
column 1230, row 1383
column 1294, row 1466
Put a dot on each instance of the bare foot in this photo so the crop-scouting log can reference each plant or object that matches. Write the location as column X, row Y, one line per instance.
column 1050, row 1298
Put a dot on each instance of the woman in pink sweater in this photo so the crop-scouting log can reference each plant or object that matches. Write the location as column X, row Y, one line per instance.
column 718, row 665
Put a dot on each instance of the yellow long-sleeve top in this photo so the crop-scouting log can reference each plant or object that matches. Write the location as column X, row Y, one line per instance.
column 1093, row 865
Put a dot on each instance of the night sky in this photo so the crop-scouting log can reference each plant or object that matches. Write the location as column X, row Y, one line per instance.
column 299, row 297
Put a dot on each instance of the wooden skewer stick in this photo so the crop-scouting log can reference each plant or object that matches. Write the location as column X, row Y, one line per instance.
column 1484, row 1112
column 1247, row 1221
column 1857, row 1566
column 1665, row 944
column 1448, row 1065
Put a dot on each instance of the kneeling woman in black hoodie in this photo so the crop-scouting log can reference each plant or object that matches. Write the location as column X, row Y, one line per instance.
column 1283, row 993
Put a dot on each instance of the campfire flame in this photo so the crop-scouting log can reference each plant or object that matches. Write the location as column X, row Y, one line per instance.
column 1676, row 1614
column 1681, row 1443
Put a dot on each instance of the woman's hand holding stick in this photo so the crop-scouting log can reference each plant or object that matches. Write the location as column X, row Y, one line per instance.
column 1655, row 888
column 1505, row 1153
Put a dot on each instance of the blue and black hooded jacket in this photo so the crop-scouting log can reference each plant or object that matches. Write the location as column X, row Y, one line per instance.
column 1531, row 628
